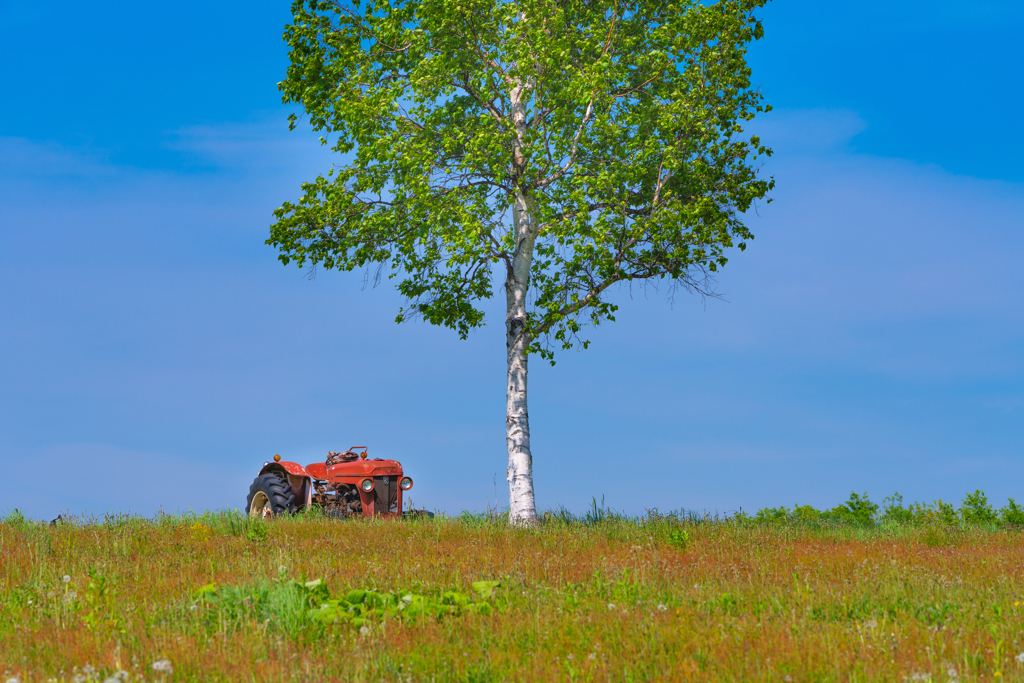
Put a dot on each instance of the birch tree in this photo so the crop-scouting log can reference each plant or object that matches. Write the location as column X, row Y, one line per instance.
column 552, row 148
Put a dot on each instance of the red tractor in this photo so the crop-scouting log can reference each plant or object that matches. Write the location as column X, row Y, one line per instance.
column 346, row 484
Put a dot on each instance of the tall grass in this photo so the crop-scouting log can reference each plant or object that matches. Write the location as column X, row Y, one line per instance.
column 598, row 596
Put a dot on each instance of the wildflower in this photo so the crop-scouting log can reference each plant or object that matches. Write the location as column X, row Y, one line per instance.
column 30, row 601
column 79, row 678
column 1020, row 658
column 364, row 630
column 71, row 595
column 611, row 605
column 952, row 672
column 13, row 679
column 163, row 666
column 569, row 656
column 592, row 656
column 871, row 624
column 787, row 678
column 662, row 608
column 66, row 579
column 281, row 569
column 88, row 670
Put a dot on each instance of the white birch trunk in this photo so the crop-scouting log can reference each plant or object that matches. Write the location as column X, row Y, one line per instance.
column 522, row 508
column 521, row 503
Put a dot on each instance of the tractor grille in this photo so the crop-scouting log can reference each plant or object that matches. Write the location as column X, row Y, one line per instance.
column 386, row 489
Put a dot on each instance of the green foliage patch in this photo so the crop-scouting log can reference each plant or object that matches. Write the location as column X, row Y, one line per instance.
column 860, row 511
column 302, row 608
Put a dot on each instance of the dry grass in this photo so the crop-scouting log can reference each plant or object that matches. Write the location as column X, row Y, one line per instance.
column 613, row 601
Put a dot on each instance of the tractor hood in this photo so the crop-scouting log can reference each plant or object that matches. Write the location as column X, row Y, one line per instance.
column 356, row 468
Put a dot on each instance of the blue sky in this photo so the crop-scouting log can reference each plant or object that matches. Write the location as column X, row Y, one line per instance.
column 155, row 353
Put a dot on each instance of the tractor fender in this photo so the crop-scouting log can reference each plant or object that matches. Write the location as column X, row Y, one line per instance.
column 298, row 478
column 285, row 467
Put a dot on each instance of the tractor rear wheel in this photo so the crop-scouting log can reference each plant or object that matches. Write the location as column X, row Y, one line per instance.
column 269, row 495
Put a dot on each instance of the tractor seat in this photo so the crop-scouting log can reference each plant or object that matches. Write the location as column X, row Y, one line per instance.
column 337, row 457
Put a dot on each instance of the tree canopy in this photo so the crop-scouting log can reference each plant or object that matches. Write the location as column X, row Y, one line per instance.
column 627, row 143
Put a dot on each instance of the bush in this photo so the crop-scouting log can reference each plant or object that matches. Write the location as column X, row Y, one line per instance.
column 779, row 515
column 976, row 509
column 1012, row 514
column 806, row 513
column 858, row 510
column 939, row 512
column 894, row 512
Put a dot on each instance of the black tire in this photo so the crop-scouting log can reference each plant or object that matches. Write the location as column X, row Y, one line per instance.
column 272, row 494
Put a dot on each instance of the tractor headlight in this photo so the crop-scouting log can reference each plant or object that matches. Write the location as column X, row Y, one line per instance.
column 406, row 483
column 367, row 485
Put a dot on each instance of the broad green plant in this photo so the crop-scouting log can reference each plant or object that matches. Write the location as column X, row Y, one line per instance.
column 567, row 145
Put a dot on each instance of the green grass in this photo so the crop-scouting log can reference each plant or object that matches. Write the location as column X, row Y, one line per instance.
column 592, row 597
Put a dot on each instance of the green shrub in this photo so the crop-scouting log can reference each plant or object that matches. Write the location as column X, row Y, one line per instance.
column 1012, row 514
column 679, row 537
column 893, row 510
column 806, row 513
column 975, row 509
column 857, row 510
column 939, row 512
column 779, row 515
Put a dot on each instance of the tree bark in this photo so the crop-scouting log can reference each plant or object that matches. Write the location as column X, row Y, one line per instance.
column 522, row 508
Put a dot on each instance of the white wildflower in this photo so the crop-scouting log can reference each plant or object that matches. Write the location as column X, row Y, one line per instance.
column 611, row 605
column 872, row 624
column 952, row 672
column 281, row 569
column 1020, row 658
column 13, row 679
column 364, row 630
column 662, row 608
column 569, row 656
column 592, row 656
column 163, row 666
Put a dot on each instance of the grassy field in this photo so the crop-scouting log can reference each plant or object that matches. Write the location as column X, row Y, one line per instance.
column 216, row 597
